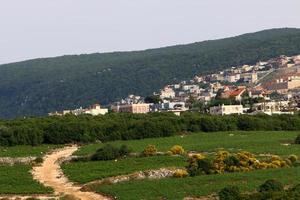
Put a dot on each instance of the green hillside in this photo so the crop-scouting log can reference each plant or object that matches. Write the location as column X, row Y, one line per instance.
column 35, row 87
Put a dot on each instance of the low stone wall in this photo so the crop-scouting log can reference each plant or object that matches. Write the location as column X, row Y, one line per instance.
column 25, row 197
column 15, row 161
column 149, row 174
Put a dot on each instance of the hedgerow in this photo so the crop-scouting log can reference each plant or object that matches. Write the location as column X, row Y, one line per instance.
column 123, row 126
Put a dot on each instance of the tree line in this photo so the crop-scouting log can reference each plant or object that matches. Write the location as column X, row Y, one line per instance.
column 124, row 126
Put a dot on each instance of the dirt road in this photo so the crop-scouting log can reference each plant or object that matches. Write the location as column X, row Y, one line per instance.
column 51, row 175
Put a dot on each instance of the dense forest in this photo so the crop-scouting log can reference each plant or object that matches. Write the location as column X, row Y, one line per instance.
column 36, row 87
column 116, row 126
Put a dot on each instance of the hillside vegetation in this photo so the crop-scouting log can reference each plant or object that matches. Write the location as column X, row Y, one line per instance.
column 35, row 87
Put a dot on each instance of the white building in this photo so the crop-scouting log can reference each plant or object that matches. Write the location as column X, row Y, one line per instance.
column 96, row 110
column 92, row 110
column 167, row 92
column 232, row 78
column 226, row 110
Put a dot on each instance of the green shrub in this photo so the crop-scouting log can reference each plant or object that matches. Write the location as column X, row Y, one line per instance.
column 205, row 165
column 124, row 150
column 39, row 160
column 108, row 152
column 230, row 193
column 297, row 140
column 271, row 186
column 231, row 161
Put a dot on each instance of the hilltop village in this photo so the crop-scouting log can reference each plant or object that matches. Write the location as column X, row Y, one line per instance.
column 269, row 87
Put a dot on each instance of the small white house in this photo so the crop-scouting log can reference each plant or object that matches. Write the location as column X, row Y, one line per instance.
column 226, row 110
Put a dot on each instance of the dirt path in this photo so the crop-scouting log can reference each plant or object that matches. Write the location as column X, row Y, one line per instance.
column 51, row 175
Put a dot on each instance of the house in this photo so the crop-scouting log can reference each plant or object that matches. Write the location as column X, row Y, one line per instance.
column 226, row 109
column 246, row 68
column 167, row 93
column 235, row 94
column 96, row 110
column 232, row 78
column 132, row 108
column 132, row 99
column 180, row 105
column 190, row 88
column 92, row 110
column 272, row 107
column 249, row 77
column 282, row 86
column 296, row 60
column 255, row 93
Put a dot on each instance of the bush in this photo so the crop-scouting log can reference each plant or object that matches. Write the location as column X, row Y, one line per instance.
column 39, row 160
column 177, row 150
column 108, row 152
column 205, row 165
column 124, row 150
column 180, row 173
column 230, row 193
column 297, row 140
column 150, row 150
column 271, row 186
column 293, row 158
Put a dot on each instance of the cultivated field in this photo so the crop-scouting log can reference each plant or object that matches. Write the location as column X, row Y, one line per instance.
column 18, row 179
column 255, row 142
column 260, row 143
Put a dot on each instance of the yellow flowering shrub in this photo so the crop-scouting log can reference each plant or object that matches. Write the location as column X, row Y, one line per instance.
column 243, row 161
column 180, row 173
column 177, row 150
column 150, row 150
column 293, row 158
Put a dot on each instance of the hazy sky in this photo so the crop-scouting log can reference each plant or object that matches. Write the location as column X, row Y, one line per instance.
column 43, row 28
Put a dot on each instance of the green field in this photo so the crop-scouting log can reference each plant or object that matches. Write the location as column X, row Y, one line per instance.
column 83, row 172
column 18, row 180
column 25, row 151
column 178, row 188
column 255, row 142
column 279, row 143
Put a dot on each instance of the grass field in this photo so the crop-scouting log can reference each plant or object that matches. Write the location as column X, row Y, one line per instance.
column 255, row 142
column 171, row 188
column 24, row 151
column 176, row 188
column 18, row 180
column 83, row 172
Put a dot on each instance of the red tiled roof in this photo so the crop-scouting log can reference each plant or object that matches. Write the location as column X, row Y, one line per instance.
column 234, row 93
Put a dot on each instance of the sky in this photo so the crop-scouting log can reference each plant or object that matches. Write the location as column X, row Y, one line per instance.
column 46, row 28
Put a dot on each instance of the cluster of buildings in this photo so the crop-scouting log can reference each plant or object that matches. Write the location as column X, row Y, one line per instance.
column 92, row 110
column 229, row 87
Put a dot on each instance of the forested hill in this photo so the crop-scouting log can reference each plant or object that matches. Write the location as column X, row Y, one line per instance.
column 35, row 87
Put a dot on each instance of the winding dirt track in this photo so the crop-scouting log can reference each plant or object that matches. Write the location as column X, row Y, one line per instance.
column 51, row 175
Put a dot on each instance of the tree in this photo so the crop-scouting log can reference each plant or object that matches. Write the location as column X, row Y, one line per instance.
column 153, row 99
